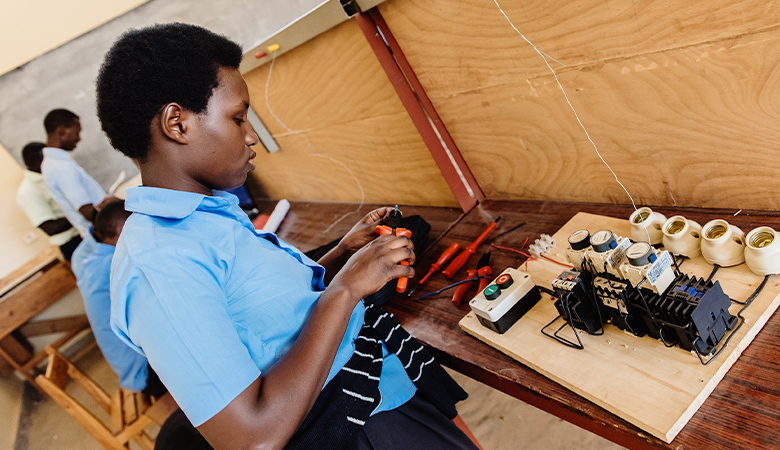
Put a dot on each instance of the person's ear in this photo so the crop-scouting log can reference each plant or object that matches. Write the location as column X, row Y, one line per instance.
column 173, row 123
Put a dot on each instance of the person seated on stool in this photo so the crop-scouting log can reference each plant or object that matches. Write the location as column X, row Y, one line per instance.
column 37, row 203
column 93, row 279
column 79, row 195
column 258, row 344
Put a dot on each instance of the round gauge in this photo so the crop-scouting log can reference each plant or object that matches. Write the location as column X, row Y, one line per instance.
column 640, row 254
column 602, row 240
column 580, row 239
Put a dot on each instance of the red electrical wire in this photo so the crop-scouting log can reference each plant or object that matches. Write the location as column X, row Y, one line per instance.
column 532, row 257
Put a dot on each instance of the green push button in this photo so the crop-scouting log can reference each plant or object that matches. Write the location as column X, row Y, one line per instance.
column 492, row 292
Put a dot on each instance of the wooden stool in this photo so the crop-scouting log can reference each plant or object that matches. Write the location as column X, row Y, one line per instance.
column 130, row 412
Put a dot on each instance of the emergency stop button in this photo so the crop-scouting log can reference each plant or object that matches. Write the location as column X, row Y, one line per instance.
column 504, row 281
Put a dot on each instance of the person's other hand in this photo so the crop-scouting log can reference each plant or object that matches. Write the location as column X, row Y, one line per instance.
column 105, row 202
column 375, row 264
column 363, row 231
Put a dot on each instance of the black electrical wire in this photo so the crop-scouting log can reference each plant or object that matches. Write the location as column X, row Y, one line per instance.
column 715, row 268
column 564, row 341
column 594, row 299
column 747, row 303
column 652, row 317
column 548, row 291
column 676, row 264
column 451, row 286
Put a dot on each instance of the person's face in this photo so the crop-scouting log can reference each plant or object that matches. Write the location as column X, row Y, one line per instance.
column 70, row 135
column 222, row 137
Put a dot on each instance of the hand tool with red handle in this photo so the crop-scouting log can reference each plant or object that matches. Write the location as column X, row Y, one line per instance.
column 445, row 256
column 483, row 269
column 394, row 227
column 470, row 249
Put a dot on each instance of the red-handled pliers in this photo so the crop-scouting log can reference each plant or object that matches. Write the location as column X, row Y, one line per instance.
column 483, row 270
column 394, row 227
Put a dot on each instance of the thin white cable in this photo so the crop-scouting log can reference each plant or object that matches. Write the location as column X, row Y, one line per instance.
column 567, row 101
column 308, row 142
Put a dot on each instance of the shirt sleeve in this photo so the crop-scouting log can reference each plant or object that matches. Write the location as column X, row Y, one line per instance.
column 74, row 185
column 36, row 208
column 127, row 363
column 172, row 307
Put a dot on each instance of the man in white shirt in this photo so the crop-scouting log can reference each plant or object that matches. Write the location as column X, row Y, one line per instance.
column 71, row 186
column 34, row 199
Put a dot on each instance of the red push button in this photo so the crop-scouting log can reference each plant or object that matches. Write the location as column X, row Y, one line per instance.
column 504, row 281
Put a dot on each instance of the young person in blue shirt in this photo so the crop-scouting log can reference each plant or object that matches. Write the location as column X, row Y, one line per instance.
column 93, row 276
column 259, row 345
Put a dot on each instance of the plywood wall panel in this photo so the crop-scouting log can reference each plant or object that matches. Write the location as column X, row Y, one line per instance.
column 340, row 117
column 681, row 99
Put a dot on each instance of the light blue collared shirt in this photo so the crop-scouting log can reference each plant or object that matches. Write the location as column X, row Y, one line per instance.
column 93, row 275
column 213, row 303
column 70, row 186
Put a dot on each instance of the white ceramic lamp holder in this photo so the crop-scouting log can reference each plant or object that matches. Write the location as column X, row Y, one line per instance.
column 646, row 224
column 682, row 236
column 722, row 244
column 762, row 251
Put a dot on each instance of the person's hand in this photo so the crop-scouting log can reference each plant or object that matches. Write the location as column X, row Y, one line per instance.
column 375, row 264
column 105, row 202
column 363, row 231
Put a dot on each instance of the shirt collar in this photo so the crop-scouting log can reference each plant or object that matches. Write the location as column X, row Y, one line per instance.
column 102, row 249
column 34, row 177
column 56, row 153
column 172, row 204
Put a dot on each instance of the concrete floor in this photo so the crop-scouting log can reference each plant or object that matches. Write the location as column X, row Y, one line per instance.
column 499, row 421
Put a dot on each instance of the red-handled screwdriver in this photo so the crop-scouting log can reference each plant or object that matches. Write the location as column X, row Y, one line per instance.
column 445, row 256
column 470, row 249
column 394, row 227
column 483, row 270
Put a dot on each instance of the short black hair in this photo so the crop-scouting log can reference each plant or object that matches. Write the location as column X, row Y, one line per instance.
column 58, row 118
column 108, row 220
column 32, row 154
column 150, row 67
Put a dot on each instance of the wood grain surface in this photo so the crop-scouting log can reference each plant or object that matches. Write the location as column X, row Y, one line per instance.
column 344, row 134
column 680, row 98
column 638, row 379
column 20, row 305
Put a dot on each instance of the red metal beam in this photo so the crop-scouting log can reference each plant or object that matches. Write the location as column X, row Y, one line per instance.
column 424, row 116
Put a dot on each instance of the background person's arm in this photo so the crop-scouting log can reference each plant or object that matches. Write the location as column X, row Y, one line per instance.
column 55, row 226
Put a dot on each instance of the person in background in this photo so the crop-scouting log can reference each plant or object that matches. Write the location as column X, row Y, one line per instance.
column 37, row 203
column 79, row 195
column 93, row 278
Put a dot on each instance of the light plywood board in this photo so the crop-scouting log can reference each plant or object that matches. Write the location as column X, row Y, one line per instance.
column 343, row 133
column 676, row 95
column 658, row 389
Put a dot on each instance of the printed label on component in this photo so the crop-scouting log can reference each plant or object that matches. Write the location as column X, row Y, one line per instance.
column 619, row 252
column 664, row 262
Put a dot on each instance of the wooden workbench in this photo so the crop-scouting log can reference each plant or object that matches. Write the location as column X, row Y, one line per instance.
column 741, row 411
column 25, row 294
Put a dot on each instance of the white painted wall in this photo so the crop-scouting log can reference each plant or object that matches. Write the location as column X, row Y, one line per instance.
column 33, row 27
